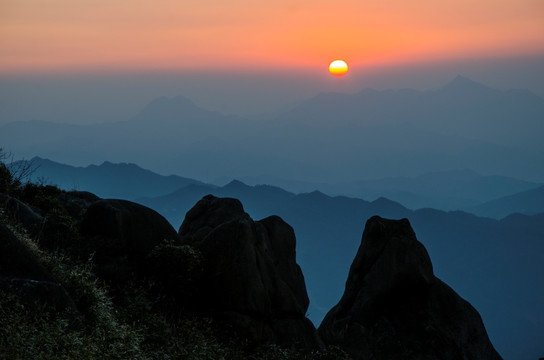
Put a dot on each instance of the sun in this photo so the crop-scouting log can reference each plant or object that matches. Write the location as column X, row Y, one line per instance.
column 338, row 68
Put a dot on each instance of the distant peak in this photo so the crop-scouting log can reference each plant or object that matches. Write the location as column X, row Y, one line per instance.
column 316, row 194
column 236, row 184
column 109, row 164
column 383, row 201
column 461, row 78
column 463, row 83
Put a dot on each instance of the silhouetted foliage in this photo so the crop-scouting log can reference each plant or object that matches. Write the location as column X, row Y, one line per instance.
column 13, row 174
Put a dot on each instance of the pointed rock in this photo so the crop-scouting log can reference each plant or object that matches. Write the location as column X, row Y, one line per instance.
column 394, row 307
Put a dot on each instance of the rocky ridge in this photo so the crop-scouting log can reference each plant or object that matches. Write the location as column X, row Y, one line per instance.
column 242, row 274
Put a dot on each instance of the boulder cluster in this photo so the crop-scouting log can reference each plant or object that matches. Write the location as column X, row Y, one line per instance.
column 242, row 273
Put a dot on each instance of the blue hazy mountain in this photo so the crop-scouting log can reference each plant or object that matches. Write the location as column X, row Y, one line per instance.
column 108, row 180
column 496, row 265
column 165, row 130
column 447, row 190
column 530, row 202
column 453, row 190
column 329, row 138
column 462, row 108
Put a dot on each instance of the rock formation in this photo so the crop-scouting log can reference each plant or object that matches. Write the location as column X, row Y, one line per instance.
column 120, row 234
column 394, row 307
column 132, row 228
column 250, row 276
column 243, row 274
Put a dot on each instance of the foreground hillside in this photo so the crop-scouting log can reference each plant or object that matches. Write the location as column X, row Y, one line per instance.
column 83, row 277
column 496, row 265
column 87, row 278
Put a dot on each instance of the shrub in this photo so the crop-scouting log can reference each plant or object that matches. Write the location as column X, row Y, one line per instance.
column 175, row 269
column 5, row 179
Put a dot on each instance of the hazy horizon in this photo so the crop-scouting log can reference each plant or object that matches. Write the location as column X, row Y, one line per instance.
column 104, row 96
column 334, row 137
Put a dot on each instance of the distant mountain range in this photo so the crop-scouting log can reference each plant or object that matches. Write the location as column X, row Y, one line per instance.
column 461, row 108
column 496, row 265
column 330, row 138
column 489, row 196
column 447, row 190
column 530, row 202
column 124, row 181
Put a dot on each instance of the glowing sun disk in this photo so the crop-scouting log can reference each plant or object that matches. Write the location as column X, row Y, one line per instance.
column 338, row 68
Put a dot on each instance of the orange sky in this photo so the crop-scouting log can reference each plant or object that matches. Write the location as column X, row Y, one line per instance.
column 168, row 34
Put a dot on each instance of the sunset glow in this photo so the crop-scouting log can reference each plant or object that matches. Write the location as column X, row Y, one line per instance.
column 65, row 34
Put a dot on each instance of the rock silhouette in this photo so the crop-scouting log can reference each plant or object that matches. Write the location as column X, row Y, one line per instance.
column 251, row 279
column 131, row 228
column 243, row 274
column 394, row 307
column 120, row 234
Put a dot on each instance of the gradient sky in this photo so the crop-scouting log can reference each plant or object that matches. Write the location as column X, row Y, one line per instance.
column 38, row 35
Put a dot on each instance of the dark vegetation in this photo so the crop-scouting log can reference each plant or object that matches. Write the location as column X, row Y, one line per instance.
column 73, row 286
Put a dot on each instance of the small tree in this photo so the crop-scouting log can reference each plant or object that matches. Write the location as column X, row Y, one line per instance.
column 13, row 174
column 5, row 178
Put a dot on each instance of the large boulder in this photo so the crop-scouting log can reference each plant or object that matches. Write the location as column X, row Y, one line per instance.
column 129, row 228
column 250, row 276
column 120, row 234
column 77, row 202
column 394, row 307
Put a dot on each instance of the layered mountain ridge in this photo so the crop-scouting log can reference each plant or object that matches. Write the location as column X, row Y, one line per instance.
column 340, row 137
